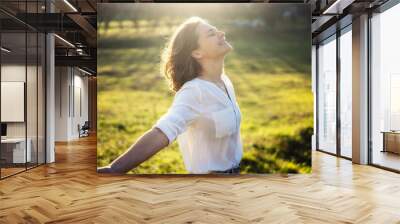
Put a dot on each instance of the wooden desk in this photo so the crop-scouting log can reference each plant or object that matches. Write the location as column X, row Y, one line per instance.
column 391, row 141
column 13, row 150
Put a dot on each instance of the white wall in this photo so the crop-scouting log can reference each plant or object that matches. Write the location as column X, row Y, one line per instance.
column 12, row 73
column 71, row 94
column 33, row 126
column 61, row 103
column 80, row 110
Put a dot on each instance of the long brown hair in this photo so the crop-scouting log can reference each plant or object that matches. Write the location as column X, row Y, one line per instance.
column 177, row 63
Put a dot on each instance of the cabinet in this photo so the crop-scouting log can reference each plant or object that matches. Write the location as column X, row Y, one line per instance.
column 391, row 142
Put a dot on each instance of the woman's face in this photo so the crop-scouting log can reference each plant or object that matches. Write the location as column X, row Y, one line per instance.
column 212, row 43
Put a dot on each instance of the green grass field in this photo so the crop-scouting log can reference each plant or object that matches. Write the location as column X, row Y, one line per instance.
column 271, row 76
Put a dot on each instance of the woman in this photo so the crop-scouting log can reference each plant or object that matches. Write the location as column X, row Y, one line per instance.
column 204, row 117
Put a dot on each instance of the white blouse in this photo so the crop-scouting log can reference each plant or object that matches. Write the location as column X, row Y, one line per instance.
column 206, row 122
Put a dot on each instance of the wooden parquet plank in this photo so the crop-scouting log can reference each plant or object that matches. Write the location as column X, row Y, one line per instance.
column 70, row 191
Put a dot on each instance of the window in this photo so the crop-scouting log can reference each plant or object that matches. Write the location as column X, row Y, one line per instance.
column 327, row 95
column 23, row 79
column 385, row 88
column 346, row 92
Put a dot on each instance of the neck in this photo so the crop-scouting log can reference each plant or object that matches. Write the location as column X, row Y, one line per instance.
column 212, row 69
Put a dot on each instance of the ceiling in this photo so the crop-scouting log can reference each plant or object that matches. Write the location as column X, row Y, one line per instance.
column 75, row 21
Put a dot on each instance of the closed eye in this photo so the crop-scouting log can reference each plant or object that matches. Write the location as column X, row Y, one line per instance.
column 211, row 32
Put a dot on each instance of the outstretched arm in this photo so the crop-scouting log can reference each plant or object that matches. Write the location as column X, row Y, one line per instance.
column 185, row 109
column 146, row 146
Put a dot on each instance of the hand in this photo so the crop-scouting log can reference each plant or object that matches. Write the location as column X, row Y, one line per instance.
column 105, row 169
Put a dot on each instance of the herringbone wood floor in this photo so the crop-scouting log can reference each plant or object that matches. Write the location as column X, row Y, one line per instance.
column 70, row 191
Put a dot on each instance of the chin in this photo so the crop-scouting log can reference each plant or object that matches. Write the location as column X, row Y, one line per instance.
column 228, row 49
column 229, row 46
column 223, row 50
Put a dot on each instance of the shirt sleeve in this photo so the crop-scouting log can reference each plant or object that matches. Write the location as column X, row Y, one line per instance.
column 184, row 110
